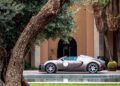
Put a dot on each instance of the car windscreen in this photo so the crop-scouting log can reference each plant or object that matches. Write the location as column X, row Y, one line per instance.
column 70, row 58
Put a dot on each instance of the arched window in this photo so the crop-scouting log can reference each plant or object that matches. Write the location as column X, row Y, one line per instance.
column 65, row 49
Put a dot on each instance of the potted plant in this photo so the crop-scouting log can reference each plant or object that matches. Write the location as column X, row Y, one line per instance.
column 112, row 65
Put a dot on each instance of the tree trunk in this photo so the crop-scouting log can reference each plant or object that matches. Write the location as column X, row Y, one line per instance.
column 101, row 24
column 24, row 83
column 2, row 83
column 113, row 15
column 34, row 27
column 118, row 48
column 107, row 47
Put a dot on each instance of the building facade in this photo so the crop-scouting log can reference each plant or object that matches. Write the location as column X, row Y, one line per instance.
column 86, row 40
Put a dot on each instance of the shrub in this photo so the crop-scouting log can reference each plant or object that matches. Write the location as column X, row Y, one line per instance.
column 112, row 65
column 27, row 66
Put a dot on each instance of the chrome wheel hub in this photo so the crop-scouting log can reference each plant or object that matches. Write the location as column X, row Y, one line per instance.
column 93, row 68
column 50, row 68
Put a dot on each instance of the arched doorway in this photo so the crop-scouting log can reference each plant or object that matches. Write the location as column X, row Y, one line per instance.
column 67, row 49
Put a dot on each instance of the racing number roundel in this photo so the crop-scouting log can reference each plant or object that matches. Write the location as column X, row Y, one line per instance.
column 65, row 64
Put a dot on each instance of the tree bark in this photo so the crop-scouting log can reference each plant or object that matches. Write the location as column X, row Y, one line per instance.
column 2, row 83
column 34, row 27
column 24, row 83
column 113, row 15
column 106, row 19
column 100, row 17
column 101, row 24
column 107, row 47
column 118, row 48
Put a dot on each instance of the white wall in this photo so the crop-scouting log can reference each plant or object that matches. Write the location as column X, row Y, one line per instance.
column 96, row 41
column 35, row 57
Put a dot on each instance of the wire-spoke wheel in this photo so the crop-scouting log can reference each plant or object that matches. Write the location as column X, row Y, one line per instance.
column 50, row 68
column 93, row 67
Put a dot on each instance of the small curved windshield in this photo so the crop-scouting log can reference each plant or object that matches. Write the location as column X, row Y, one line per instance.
column 69, row 58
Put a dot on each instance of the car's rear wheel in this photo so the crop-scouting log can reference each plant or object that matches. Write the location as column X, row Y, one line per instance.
column 51, row 68
column 92, row 67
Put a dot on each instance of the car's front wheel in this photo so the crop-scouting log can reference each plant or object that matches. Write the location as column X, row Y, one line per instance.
column 51, row 68
column 92, row 67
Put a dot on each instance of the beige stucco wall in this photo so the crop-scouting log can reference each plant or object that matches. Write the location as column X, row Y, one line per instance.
column 53, row 44
column 89, row 31
column 84, row 31
column 83, row 35
column 80, row 30
column 44, row 51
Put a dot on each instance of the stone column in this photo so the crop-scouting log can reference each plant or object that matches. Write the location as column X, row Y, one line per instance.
column 96, row 41
column 35, row 57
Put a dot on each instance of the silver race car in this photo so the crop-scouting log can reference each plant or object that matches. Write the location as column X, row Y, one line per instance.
column 72, row 63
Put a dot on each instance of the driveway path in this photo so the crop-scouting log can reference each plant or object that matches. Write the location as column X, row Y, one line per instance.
column 36, row 72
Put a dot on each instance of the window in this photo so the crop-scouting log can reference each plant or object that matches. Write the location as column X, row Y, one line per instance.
column 71, row 58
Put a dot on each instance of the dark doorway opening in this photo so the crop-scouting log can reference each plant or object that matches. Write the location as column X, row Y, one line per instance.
column 67, row 49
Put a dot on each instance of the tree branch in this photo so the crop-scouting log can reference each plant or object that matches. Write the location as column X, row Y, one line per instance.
column 34, row 27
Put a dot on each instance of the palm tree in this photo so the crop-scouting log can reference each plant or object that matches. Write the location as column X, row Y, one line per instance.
column 107, row 18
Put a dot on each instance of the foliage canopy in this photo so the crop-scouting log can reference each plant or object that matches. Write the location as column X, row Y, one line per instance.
column 15, row 14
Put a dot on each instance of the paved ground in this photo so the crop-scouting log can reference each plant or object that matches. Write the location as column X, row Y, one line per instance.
column 36, row 72
column 112, row 77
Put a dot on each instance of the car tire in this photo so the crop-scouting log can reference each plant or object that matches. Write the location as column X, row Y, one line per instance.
column 50, row 68
column 92, row 67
